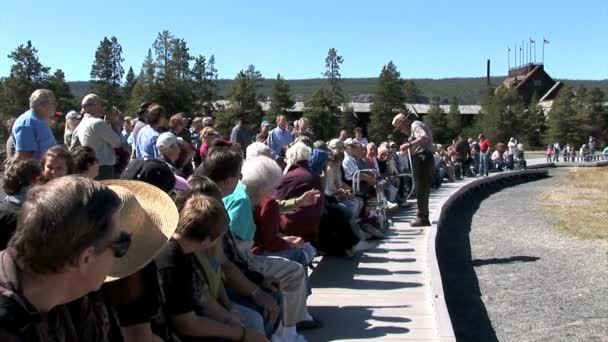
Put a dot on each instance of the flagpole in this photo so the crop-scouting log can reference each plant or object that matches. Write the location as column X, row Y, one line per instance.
column 544, row 50
column 523, row 53
column 509, row 58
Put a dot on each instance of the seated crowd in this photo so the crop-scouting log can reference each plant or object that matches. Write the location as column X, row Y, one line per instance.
column 158, row 229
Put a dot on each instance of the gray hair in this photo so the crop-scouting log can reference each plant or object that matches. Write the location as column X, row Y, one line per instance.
column 260, row 175
column 298, row 152
column 207, row 120
column 257, row 149
column 40, row 96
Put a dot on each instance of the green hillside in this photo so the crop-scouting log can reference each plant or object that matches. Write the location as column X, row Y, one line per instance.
column 467, row 90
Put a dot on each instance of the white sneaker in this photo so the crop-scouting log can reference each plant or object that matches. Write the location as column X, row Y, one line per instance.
column 363, row 245
column 391, row 205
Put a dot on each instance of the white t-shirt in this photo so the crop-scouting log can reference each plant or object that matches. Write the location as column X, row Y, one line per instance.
column 512, row 148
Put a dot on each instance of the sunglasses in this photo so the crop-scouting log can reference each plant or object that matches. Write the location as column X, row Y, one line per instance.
column 121, row 245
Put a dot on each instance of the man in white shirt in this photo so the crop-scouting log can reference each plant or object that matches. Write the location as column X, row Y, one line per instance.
column 96, row 133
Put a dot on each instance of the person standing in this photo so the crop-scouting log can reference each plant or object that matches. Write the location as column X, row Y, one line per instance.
column 145, row 140
column 240, row 134
column 420, row 145
column 31, row 131
column 556, row 149
column 484, row 149
column 279, row 137
column 95, row 132
column 72, row 119
column 195, row 138
column 360, row 138
column 265, row 128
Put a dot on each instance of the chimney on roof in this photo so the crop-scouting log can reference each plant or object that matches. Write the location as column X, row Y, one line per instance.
column 488, row 73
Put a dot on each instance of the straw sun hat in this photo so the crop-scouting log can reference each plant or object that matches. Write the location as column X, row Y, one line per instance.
column 150, row 216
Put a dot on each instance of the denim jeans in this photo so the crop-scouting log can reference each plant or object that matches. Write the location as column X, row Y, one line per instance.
column 483, row 163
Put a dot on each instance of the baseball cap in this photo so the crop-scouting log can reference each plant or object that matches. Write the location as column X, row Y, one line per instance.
column 71, row 115
column 265, row 123
column 166, row 140
column 151, row 171
column 91, row 99
column 335, row 145
column 351, row 142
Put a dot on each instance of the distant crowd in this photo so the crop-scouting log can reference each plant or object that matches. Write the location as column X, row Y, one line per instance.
column 568, row 152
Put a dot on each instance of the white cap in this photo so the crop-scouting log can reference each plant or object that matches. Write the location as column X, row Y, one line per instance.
column 166, row 140
column 335, row 145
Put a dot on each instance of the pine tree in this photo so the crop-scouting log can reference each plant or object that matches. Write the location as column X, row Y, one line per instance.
column 348, row 119
column 130, row 80
column 204, row 78
column 487, row 121
column 27, row 74
column 533, row 125
column 411, row 91
column 180, row 63
column 243, row 97
column 389, row 98
column 144, row 89
column 320, row 111
column 63, row 95
column 453, row 123
column 512, row 115
column 332, row 73
column 437, row 121
column 281, row 99
column 172, row 75
column 562, row 121
column 592, row 115
column 163, row 50
column 107, row 71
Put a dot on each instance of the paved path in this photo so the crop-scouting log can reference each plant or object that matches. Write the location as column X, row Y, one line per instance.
column 531, row 282
column 384, row 294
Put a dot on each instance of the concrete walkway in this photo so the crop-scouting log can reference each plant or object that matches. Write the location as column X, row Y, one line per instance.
column 385, row 294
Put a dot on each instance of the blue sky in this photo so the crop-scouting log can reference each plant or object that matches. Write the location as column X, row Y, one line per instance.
column 425, row 39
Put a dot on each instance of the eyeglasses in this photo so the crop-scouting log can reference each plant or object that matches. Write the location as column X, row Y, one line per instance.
column 121, row 245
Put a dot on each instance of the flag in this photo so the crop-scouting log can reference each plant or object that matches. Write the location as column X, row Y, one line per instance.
column 546, row 41
column 509, row 49
column 532, row 41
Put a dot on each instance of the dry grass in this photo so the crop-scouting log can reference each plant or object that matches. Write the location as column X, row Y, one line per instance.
column 580, row 204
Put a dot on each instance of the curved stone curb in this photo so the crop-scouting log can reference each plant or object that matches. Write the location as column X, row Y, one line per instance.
column 444, row 323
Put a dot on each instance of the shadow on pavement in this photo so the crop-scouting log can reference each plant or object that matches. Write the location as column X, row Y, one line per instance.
column 513, row 259
column 337, row 272
column 353, row 322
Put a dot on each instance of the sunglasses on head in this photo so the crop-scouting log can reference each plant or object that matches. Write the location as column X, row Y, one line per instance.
column 121, row 245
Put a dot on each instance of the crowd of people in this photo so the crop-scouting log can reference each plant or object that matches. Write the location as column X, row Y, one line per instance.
column 156, row 228
column 568, row 152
